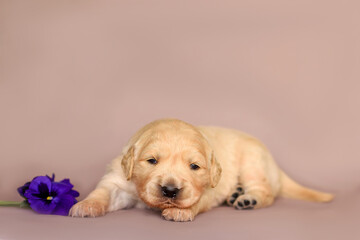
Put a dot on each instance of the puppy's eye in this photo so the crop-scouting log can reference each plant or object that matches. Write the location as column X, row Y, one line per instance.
column 193, row 166
column 152, row 161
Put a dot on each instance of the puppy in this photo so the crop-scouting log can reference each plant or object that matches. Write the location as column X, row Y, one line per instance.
column 184, row 170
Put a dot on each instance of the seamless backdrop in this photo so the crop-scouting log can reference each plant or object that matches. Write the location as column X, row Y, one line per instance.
column 78, row 78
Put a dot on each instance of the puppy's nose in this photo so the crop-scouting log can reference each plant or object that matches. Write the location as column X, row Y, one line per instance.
column 169, row 191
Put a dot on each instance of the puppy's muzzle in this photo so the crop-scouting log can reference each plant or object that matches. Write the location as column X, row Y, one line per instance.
column 169, row 191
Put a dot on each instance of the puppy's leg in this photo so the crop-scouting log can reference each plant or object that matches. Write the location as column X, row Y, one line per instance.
column 183, row 214
column 94, row 205
column 107, row 197
column 260, row 181
column 178, row 214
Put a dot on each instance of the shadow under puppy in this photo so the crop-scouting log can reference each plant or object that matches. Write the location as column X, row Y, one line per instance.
column 185, row 170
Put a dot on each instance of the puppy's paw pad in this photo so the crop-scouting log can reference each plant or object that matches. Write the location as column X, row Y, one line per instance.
column 246, row 202
column 239, row 190
column 178, row 215
column 88, row 208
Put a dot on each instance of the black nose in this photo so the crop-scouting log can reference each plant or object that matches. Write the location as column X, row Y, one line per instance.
column 169, row 191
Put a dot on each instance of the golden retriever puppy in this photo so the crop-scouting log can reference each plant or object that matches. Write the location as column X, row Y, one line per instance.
column 184, row 170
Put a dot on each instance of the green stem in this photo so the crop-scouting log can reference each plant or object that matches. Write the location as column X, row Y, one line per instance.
column 10, row 203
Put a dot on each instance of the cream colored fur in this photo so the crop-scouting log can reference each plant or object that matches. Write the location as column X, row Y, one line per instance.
column 227, row 159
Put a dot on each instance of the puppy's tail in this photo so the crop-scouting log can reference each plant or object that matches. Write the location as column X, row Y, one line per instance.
column 291, row 189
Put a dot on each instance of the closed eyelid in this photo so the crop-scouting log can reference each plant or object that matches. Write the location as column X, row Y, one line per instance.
column 197, row 162
column 148, row 155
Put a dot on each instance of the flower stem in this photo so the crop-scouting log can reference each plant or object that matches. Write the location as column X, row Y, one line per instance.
column 10, row 204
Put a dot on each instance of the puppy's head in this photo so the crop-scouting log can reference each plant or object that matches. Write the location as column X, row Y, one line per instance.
column 171, row 164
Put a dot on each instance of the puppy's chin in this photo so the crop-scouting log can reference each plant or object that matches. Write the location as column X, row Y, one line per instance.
column 156, row 200
column 162, row 203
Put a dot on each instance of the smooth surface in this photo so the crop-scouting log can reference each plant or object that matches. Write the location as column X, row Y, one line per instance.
column 78, row 78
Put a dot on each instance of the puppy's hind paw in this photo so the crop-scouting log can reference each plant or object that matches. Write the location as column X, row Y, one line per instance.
column 88, row 208
column 238, row 191
column 245, row 202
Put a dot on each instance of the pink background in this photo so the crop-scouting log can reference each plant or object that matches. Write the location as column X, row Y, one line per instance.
column 78, row 78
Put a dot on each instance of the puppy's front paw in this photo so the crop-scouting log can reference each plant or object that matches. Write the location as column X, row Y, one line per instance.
column 88, row 208
column 178, row 215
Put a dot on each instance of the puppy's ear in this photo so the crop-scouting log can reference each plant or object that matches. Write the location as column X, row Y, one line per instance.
column 127, row 163
column 215, row 171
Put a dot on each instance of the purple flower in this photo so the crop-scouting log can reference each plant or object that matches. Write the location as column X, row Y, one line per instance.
column 21, row 190
column 49, row 197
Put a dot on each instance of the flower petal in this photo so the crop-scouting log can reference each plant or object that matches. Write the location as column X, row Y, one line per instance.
column 42, row 206
column 67, row 182
column 74, row 193
column 21, row 190
column 52, row 179
column 59, row 188
column 64, row 203
column 40, row 187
